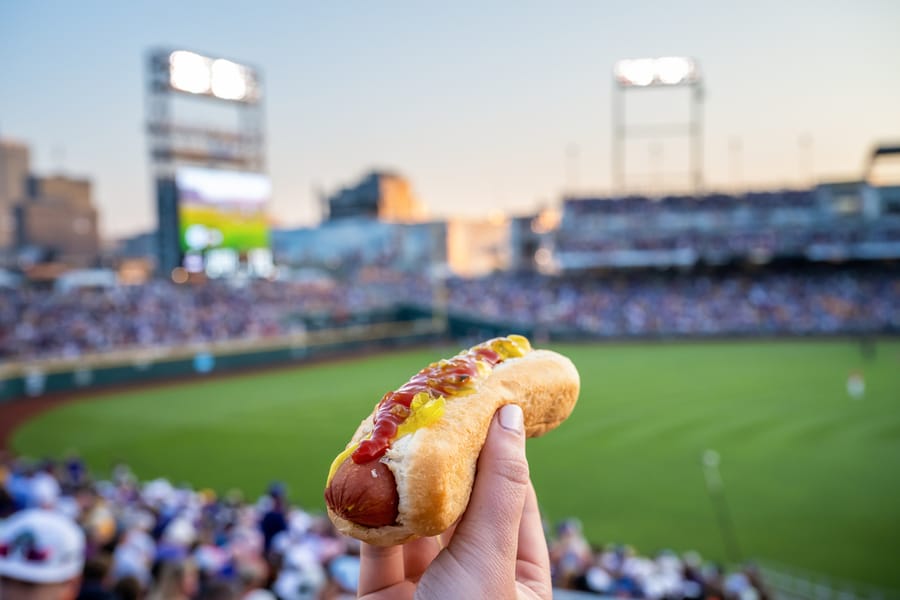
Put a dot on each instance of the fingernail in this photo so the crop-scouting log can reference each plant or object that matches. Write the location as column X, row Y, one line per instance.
column 511, row 418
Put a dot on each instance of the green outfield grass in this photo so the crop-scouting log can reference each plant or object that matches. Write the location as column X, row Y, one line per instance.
column 812, row 477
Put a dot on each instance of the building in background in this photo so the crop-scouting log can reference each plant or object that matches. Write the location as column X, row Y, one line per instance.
column 832, row 222
column 14, row 169
column 477, row 247
column 347, row 245
column 135, row 257
column 140, row 245
column 380, row 195
column 882, row 172
column 58, row 218
column 531, row 241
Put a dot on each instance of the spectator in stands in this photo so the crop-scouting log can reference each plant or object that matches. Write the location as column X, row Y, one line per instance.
column 218, row 590
column 128, row 588
column 177, row 580
column 274, row 521
column 156, row 528
column 570, row 553
column 94, row 579
column 41, row 556
column 252, row 581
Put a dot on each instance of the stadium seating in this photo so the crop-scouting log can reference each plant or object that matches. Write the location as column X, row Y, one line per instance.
column 40, row 324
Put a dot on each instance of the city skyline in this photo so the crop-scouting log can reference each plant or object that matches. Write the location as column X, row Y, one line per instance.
column 482, row 108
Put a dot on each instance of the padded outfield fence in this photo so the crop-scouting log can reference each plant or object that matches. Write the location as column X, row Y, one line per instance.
column 30, row 379
column 404, row 325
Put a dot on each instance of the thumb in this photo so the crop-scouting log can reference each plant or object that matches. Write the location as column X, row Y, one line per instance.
column 488, row 532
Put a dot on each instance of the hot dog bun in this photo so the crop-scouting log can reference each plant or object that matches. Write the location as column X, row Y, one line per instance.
column 434, row 466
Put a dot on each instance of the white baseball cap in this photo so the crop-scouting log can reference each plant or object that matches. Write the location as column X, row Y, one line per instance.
column 41, row 546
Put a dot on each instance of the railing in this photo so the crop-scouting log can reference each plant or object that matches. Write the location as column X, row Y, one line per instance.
column 792, row 583
column 37, row 377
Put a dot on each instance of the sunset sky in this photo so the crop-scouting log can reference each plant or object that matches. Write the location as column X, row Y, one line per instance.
column 483, row 105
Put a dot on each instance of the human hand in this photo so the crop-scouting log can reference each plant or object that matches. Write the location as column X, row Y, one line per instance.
column 497, row 549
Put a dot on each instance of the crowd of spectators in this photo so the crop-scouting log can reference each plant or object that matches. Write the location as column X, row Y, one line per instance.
column 154, row 540
column 765, row 303
column 40, row 323
column 644, row 205
column 619, row 571
column 587, row 248
column 37, row 324
column 718, row 228
column 157, row 540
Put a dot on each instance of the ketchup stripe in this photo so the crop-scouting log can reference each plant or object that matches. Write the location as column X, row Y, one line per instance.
column 446, row 378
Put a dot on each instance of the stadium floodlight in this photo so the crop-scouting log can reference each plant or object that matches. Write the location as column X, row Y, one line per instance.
column 229, row 80
column 224, row 79
column 673, row 70
column 182, row 139
column 662, row 72
column 666, row 70
column 637, row 71
column 189, row 72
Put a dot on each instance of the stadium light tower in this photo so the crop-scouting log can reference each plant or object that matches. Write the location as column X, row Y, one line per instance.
column 199, row 162
column 647, row 73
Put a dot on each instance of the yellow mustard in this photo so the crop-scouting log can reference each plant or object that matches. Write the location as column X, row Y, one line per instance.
column 425, row 410
column 512, row 346
column 337, row 462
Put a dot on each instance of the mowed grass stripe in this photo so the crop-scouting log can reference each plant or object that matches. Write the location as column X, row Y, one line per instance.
column 811, row 476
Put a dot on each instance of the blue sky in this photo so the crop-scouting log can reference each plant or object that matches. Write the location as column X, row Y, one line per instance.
column 476, row 102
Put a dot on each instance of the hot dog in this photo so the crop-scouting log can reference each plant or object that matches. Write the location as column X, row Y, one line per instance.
column 409, row 468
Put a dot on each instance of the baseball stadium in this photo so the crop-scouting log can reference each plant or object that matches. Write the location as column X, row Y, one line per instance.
column 172, row 402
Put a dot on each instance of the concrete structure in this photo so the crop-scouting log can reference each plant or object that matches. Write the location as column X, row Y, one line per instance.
column 531, row 241
column 75, row 192
column 477, row 247
column 139, row 245
column 355, row 243
column 14, row 167
column 206, row 112
column 380, row 195
column 59, row 218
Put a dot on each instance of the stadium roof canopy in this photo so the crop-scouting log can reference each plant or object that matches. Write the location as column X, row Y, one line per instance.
column 883, row 165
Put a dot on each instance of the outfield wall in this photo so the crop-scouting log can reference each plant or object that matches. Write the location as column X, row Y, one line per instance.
column 31, row 379
column 402, row 326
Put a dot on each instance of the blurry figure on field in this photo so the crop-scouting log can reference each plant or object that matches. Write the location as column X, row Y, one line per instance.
column 856, row 385
column 868, row 347
column 41, row 556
